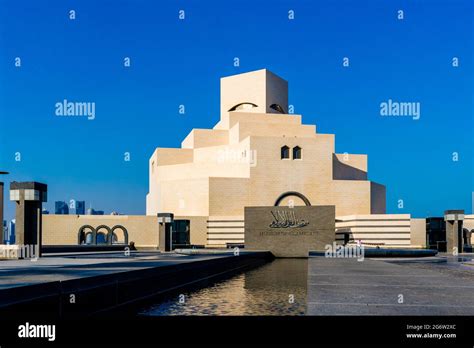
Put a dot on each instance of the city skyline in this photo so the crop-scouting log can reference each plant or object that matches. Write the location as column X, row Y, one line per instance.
column 426, row 161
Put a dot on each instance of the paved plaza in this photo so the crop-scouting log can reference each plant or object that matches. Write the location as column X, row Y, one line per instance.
column 441, row 285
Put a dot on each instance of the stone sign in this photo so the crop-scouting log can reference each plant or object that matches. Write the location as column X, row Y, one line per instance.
column 290, row 232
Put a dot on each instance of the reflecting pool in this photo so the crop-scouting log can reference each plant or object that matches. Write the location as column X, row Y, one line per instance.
column 276, row 288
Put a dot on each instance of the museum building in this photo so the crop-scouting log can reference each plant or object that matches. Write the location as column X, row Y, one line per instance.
column 258, row 154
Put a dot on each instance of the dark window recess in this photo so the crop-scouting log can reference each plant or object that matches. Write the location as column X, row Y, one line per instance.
column 436, row 233
column 297, row 152
column 180, row 233
column 285, row 152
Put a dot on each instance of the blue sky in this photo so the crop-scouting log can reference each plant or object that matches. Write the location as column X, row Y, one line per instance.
column 177, row 62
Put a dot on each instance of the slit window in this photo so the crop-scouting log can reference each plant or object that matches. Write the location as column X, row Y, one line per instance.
column 285, row 152
column 297, row 152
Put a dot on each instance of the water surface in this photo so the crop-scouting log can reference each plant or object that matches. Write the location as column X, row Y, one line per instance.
column 276, row 288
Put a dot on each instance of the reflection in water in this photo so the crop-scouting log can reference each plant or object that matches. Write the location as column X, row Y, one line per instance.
column 266, row 290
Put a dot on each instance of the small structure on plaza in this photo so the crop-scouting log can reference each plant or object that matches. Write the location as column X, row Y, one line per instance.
column 29, row 198
column 165, row 221
column 454, row 231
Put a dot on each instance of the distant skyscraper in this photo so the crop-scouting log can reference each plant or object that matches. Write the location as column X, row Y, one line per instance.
column 61, row 208
column 10, row 239
column 91, row 211
column 80, row 208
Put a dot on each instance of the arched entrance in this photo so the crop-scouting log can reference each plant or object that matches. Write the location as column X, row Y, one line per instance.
column 113, row 238
column 101, row 237
column 84, row 237
column 102, row 234
column 292, row 193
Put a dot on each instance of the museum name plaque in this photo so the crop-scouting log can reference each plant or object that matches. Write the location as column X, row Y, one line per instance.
column 290, row 232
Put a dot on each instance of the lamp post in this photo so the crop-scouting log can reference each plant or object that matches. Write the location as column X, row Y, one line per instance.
column 1, row 209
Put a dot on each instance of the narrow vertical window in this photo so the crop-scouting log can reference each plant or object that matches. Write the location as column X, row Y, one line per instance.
column 285, row 152
column 297, row 152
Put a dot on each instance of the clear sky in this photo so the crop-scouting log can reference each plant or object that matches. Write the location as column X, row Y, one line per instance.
column 177, row 62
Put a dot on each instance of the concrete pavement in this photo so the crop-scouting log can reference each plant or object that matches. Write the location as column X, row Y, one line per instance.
column 434, row 286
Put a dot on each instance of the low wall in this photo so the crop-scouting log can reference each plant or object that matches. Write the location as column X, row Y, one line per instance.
column 63, row 229
column 384, row 230
column 225, row 229
column 389, row 230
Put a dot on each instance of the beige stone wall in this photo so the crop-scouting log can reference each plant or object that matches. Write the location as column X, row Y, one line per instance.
column 272, row 176
column 183, row 197
column 228, row 196
column 205, row 137
column 198, row 228
column 162, row 157
column 350, row 197
column 169, row 156
column 418, row 233
column 250, row 128
column 230, row 119
column 63, row 229
column 385, row 230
